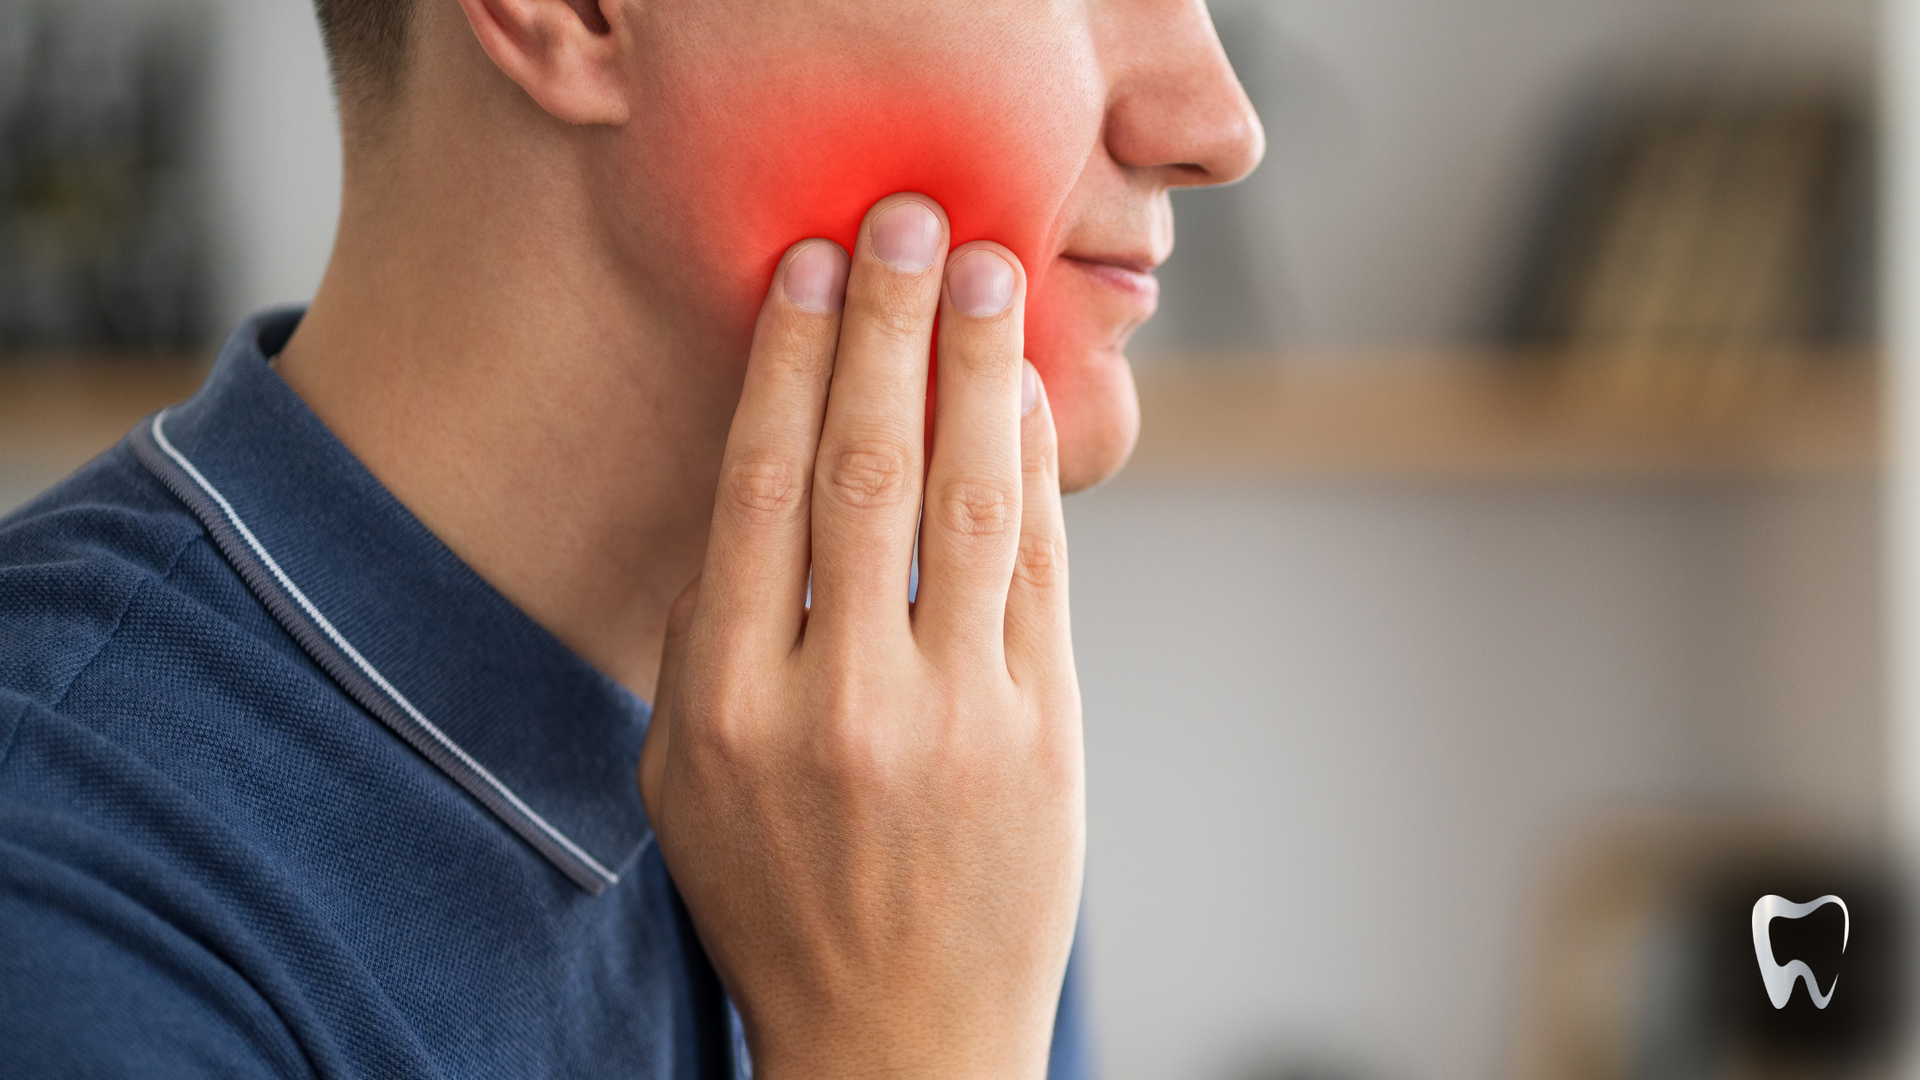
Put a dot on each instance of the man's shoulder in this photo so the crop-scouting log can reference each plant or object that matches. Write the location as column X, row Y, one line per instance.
column 95, row 915
column 71, row 562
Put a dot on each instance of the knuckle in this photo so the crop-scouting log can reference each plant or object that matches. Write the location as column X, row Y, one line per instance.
column 857, row 754
column 899, row 307
column 986, row 355
column 868, row 473
column 854, row 753
column 973, row 508
column 762, row 487
column 900, row 320
column 799, row 356
column 727, row 695
column 1042, row 561
column 859, row 744
column 1037, row 463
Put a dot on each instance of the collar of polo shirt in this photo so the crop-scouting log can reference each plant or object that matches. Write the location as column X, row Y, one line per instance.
column 528, row 729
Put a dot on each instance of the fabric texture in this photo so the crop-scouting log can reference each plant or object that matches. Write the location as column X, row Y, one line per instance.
column 286, row 790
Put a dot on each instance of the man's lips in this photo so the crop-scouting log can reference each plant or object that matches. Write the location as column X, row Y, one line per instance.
column 1133, row 276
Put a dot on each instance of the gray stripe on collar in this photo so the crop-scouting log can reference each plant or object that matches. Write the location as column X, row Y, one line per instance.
column 345, row 664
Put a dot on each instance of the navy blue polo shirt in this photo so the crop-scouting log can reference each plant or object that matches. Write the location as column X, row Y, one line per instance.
column 287, row 790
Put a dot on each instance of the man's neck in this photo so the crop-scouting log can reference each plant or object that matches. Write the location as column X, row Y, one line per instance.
column 505, row 378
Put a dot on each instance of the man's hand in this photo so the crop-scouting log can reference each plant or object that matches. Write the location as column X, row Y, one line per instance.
column 873, row 810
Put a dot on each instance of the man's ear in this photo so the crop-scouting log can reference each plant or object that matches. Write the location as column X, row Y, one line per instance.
column 563, row 53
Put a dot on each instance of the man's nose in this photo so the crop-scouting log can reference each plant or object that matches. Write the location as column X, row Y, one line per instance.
column 1176, row 104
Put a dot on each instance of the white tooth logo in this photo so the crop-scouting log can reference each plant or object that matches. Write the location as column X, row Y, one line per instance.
column 1780, row 979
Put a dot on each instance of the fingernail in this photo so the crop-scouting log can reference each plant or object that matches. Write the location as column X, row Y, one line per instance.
column 906, row 237
column 981, row 283
column 816, row 278
column 1029, row 387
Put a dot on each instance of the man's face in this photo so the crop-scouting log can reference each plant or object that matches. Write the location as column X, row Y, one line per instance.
column 764, row 122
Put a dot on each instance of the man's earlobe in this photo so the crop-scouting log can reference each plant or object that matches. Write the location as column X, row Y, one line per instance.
column 564, row 53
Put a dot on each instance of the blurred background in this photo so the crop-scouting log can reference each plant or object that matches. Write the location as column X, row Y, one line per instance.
column 1499, row 600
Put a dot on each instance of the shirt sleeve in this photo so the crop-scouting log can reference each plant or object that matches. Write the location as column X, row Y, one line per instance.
column 1072, row 1057
column 93, row 984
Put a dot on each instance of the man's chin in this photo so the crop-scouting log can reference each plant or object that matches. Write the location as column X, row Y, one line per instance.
column 1097, row 414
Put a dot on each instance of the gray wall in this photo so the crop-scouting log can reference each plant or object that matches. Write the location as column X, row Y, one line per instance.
column 275, row 154
column 1333, row 731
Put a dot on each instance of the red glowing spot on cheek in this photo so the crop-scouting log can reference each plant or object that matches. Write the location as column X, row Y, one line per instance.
column 756, row 141
column 757, row 167
column 823, row 182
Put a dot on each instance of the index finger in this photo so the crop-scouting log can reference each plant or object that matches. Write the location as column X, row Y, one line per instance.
column 755, row 580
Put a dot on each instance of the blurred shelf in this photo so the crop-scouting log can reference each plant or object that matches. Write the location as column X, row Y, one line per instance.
column 1483, row 415
column 56, row 411
column 1411, row 415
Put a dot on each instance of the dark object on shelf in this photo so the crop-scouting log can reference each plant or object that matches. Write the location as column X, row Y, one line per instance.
column 102, row 236
column 1713, row 223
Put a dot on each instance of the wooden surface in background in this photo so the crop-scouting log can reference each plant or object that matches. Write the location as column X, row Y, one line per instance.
column 1415, row 415
column 1428, row 415
column 56, row 412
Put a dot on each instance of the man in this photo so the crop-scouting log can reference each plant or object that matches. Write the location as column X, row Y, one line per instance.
column 322, row 696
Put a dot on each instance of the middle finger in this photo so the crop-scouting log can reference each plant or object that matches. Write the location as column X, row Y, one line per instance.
column 868, row 472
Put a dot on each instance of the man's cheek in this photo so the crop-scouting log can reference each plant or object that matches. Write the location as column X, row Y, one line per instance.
column 768, row 172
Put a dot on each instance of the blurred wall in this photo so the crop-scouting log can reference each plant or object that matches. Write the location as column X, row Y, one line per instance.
column 1408, row 144
column 1334, row 732
column 273, row 154
column 1901, row 307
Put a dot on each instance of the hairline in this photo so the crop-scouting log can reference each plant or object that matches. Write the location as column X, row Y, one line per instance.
column 369, row 45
